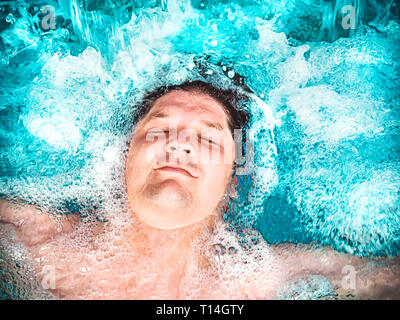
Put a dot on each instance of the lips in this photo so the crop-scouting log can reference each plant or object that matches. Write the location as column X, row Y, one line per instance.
column 178, row 169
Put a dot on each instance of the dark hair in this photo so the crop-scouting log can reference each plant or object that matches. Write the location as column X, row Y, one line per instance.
column 228, row 98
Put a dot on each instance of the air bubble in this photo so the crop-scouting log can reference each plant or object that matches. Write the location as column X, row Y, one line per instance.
column 10, row 18
column 219, row 249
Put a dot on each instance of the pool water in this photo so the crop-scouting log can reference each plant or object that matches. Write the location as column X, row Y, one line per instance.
column 326, row 106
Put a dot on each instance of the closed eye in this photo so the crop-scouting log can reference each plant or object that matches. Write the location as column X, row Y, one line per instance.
column 209, row 140
column 151, row 135
column 157, row 132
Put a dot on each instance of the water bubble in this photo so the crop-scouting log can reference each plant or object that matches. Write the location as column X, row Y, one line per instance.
column 307, row 287
column 232, row 250
column 214, row 43
column 231, row 74
column 255, row 241
column 219, row 249
column 10, row 18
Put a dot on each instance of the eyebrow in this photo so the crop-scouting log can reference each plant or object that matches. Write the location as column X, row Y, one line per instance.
column 159, row 114
column 214, row 125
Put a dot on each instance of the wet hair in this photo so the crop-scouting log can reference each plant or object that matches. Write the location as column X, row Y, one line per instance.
column 230, row 99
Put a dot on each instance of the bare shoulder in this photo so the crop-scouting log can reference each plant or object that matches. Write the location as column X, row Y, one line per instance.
column 33, row 226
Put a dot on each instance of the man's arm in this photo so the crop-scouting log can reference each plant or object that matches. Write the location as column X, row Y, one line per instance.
column 352, row 276
column 32, row 225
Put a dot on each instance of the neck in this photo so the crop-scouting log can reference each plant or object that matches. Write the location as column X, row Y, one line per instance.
column 174, row 243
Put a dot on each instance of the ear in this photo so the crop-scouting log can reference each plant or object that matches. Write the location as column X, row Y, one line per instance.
column 232, row 188
column 230, row 194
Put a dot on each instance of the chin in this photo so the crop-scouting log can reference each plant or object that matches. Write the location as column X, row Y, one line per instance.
column 169, row 194
column 170, row 200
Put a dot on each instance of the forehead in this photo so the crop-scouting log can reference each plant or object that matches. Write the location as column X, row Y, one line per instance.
column 195, row 105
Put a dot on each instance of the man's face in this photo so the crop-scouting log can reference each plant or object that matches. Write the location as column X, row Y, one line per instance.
column 180, row 160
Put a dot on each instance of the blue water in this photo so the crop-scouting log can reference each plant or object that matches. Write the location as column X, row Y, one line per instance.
column 326, row 108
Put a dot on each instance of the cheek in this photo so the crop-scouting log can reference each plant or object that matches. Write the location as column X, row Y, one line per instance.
column 215, row 181
column 144, row 153
column 217, row 174
column 214, row 154
column 209, row 154
column 139, row 161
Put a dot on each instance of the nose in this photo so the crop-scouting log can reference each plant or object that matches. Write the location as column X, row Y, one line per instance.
column 180, row 148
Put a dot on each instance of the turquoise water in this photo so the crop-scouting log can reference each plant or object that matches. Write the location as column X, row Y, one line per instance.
column 326, row 105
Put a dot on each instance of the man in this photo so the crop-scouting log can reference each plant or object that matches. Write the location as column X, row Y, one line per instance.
column 179, row 167
column 179, row 173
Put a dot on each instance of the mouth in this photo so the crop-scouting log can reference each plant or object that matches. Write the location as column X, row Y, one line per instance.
column 179, row 170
